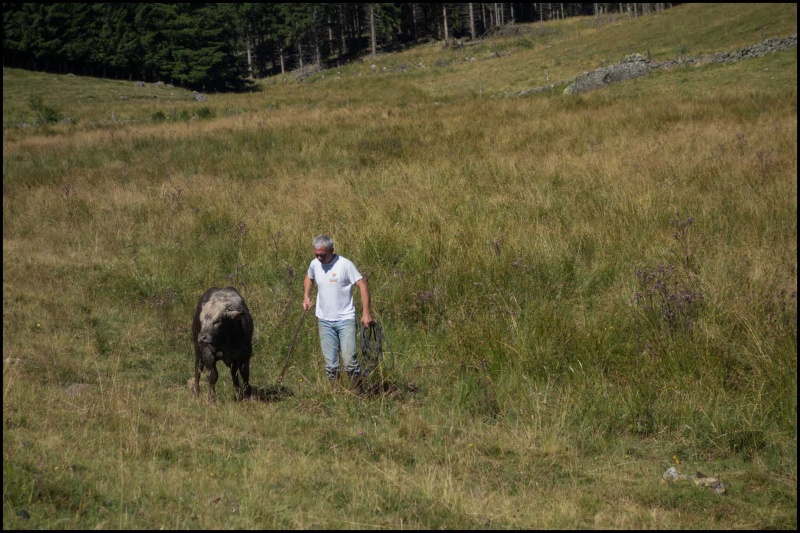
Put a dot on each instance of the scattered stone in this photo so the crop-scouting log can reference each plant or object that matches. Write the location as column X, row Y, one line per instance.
column 76, row 389
column 699, row 479
column 521, row 29
column 757, row 50
column 398, row 68
column 632, row 66
column 636, row 65
column 306, row 71
column 140, row 84
column 15, row 361
column 672, row 475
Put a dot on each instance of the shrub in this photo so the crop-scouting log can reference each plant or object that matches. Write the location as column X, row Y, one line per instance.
column 205, row 113
column 667, row 299
column 43, row 114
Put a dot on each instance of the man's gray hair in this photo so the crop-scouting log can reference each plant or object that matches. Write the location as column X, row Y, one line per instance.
column 324, row 242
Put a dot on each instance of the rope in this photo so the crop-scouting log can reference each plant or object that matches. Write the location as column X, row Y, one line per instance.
column 372, row 341
column 286, row 362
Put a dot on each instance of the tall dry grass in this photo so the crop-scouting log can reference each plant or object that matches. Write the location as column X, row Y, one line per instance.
column 576, row 290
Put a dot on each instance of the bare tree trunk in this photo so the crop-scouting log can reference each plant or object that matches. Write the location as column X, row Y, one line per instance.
column 318, row 54
column 283, row 66
column 300, row 55
column 471, row 22
column 249, row 57
column 444, row 17
column 356, row 34
column 342, row 40
column 414, row 19
column 372, row 39
column 330, row 35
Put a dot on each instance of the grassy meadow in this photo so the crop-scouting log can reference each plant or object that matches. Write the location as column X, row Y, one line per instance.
column 578, row 292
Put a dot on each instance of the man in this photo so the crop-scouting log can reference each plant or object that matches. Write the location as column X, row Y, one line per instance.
column 336, row 314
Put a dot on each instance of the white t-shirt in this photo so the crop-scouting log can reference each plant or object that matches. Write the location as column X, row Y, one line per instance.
column 334, row 288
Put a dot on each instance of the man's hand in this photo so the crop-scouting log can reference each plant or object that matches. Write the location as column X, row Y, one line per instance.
column 366, row 320
column 366, row 316
column 307, row 284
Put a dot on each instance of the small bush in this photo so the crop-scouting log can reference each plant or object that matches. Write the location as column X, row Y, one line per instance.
column 158, row 116
column 666, row 299
column 43, row 114
column 524, row 43
column 205, row 113
column 670, row 295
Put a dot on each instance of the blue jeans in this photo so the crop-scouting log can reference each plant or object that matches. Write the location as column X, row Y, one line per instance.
column 336, row 336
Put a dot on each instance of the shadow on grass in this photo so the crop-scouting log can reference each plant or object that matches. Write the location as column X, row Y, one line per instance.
column 386, row 388
column 270, row 393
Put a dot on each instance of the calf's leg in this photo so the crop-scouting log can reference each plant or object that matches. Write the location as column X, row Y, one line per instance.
column 245, row 372
column 236, row 384
column 243, row 390
column 212, row 381
column 198, row 367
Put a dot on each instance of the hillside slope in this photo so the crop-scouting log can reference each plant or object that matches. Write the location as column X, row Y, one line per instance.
column 498, row 67
column 579, row 293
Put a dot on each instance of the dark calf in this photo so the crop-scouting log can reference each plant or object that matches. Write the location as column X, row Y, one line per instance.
column 222, row 329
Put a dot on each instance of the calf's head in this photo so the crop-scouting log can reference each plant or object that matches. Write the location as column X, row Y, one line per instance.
column 215, row 312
